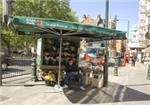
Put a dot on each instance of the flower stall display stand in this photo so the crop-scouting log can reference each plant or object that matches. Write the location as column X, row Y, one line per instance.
column 97, row 79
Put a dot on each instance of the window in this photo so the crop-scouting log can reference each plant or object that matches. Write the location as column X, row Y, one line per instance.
column 134, row 36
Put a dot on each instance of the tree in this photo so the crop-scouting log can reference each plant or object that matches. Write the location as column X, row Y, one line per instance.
column 57, row 9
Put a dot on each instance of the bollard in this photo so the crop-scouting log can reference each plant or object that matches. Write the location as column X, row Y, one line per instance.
column 33, row 65
column 116, row 70
column 116, row 66
column 148, row 72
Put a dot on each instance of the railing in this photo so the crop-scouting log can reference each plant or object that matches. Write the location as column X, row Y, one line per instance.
column 20, row 65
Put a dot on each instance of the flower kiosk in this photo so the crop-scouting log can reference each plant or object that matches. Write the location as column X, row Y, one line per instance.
column 58, row 40
column 48, row 69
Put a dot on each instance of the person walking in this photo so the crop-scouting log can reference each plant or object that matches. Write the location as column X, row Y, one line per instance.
column 133, row 59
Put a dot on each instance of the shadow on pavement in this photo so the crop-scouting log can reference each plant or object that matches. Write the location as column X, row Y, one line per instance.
column 90, row 95
column 134, row 95
column 105, row 95
column 3, row 98
column 22, row 62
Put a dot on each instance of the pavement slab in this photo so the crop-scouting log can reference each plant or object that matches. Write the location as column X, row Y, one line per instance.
column 130, row 87
column 34, row 95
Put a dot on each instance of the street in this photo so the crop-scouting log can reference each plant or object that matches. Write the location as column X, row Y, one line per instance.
column 131, row 86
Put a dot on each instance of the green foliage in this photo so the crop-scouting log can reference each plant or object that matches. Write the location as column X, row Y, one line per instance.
column 1, row 7
column 15, row 41
column 44, row 8
column 35, row 8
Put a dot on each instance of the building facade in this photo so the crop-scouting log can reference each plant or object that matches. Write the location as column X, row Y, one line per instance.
column 134, row 33
column 114, row 45
column 144, row 21
column 134, row 44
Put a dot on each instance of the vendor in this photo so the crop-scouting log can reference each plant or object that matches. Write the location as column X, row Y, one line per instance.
column 72, row 70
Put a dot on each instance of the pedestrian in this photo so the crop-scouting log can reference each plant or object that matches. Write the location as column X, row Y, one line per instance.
column 133, row 59
column 126, row 56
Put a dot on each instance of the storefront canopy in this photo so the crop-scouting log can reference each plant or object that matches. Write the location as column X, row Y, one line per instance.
column 32, row 25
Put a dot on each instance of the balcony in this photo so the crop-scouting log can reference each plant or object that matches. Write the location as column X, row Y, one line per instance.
column 147, row 12
column 143, row 7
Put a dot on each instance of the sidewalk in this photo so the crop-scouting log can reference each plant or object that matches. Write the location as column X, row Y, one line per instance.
column 34, row 95
column 129, row 88
column 134, row 81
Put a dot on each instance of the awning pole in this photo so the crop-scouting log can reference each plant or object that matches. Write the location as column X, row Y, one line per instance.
column 60, row 51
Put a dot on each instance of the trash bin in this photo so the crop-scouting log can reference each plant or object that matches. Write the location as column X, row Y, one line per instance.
column 116, row 66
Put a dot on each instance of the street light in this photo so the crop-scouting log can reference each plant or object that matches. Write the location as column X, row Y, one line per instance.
column 105, row 80
column 0, row 60
column 128, row 27
column 7, row 6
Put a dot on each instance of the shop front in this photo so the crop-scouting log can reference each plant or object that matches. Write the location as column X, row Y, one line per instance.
column 60, row 40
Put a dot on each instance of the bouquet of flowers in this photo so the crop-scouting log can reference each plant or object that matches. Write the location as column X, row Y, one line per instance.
column 49, row 78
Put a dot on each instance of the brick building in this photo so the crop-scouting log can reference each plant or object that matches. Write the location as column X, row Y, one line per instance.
column 114, row 45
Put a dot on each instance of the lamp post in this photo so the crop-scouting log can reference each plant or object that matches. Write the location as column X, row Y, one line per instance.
column 128, row 29
column 0, row 60
column 6, row 6
column 6, row 9
column 107, row 13
column 105, row 80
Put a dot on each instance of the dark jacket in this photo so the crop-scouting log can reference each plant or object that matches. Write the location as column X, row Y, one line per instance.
column 71, row 68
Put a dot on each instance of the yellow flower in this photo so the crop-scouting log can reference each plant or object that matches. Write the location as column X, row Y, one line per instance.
column 49, row 77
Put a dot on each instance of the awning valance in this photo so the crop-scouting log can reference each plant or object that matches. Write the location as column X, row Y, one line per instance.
column 32, row 25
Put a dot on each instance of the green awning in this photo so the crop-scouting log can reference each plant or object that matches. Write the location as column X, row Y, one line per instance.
column 32, row 25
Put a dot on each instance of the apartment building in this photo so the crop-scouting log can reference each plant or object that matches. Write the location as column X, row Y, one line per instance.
column 144, row 21
column 134, row 44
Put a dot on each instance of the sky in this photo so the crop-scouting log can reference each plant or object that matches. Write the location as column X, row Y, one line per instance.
column 125, row 10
